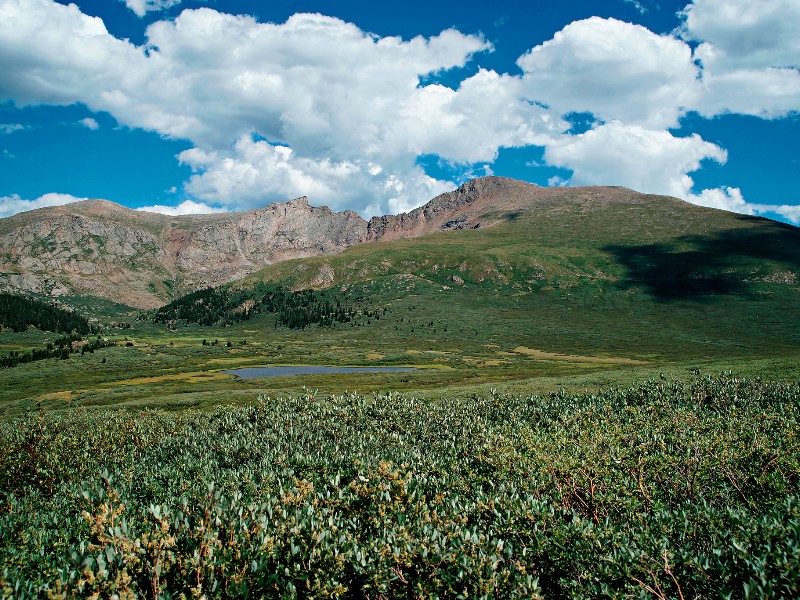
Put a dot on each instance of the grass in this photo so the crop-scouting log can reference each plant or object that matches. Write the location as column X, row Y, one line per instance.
column 173, row 370
column 562, row 296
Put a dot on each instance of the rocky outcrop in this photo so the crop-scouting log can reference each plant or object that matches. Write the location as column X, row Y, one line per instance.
column 143, row 259
column 477, row 203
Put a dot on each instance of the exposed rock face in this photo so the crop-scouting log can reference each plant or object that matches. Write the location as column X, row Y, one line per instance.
column 144, row 259
column 465, row 208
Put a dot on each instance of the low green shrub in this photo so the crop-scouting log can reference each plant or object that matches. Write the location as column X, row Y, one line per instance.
column 665, row 490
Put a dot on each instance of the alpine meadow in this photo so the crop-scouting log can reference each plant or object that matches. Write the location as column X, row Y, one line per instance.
column 403, row 302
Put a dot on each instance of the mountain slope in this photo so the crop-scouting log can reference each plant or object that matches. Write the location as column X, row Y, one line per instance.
column 144, row 259
column 594, row 272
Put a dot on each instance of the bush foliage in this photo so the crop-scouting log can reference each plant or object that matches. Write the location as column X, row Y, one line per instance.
column 669, row 490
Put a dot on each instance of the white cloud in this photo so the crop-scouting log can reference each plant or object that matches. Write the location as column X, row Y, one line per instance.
column 142, row 7
column 90, row 123
column 556, row 181
column 339, row 97
column 745, row 34
column 11, row 127
column 647, row 160
column 650, row 161
column 255, row 173
column 11, row 205
column 765, row 93
column 187, row 207
column 615, row 70
column 750, row 52
column 328, row 89
column 726, row 198
column 731, row 199
column 55, row 54
column 470, row 124
column 788, row 211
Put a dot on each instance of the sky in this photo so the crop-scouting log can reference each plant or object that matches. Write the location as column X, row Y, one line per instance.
column 189, row 106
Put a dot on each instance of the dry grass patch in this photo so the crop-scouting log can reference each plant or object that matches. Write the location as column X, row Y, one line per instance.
column 65, row 395
column 232, row 361
column 190, row 377
column 542, row 355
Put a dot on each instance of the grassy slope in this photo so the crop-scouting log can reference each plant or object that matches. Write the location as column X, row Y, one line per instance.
column 579, row 293
column 646, row 281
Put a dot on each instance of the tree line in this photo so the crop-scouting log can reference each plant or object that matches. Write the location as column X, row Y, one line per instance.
column 18, row 313
column 225, row 306
column 61, row 348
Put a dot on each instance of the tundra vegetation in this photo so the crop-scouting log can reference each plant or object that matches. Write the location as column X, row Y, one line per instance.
column 665, row 489
column 567, row 433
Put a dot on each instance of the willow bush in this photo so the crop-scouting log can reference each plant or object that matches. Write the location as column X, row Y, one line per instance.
column 668, row 490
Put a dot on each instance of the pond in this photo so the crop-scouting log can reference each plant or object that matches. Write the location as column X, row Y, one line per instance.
column 253, row 372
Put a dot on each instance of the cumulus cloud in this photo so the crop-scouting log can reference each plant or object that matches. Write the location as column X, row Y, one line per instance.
column 745, row 34
column 55, row 54
column 142, row 7
column 726, row 198
column 255, row 173
column 653, row 161
column 632, row 156
column 790, row 212
column 90, row 123
column 187, row 207
column 11, row 205
column 614, row 70
column 316, row 106
column 637, row 84
column 327, row 86
column 750, row 53
column 341, row 98
column 731, row 199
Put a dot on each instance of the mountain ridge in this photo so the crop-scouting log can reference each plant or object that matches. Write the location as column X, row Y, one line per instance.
column 145, row 259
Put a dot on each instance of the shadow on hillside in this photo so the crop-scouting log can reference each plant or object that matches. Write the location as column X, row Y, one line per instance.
column 700, row 267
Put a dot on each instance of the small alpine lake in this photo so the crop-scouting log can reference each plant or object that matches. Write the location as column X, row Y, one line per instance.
column 254, row 372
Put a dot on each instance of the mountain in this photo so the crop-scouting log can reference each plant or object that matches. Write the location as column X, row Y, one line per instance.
column 144, row 259
column 605, row 274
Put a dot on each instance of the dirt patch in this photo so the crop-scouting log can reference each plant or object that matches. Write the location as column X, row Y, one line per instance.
column 374, row 356
column 475, row 361
column 493, row 362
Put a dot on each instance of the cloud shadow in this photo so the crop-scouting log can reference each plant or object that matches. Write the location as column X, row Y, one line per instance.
column 700, row 267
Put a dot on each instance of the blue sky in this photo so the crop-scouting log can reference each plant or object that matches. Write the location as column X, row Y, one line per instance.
column 189, row 106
